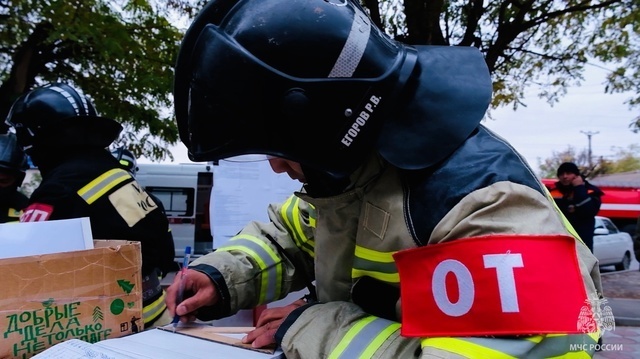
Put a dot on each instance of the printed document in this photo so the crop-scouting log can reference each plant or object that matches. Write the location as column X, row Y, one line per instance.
column 153, row 344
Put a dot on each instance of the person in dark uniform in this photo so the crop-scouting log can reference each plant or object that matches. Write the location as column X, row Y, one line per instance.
column 59, row 128
column 128, row 161
column 578, row 200
column 13, row 166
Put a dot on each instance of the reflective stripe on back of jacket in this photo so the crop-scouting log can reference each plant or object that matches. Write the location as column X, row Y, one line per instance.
column 92, row 184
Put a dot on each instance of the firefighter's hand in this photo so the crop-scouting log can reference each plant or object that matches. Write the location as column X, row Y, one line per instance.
column 268, row 324
column 198, row 291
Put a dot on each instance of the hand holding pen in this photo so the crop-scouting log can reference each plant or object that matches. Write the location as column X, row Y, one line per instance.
column 188, row 293
column 180, row 294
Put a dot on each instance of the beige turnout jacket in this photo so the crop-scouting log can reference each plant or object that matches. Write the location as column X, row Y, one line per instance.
column 340, row 240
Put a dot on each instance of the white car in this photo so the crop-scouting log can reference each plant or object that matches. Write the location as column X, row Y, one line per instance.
column 610, row 245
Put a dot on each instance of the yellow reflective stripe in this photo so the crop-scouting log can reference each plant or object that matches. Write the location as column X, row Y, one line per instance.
column 375, row 264
column 557, row 345
column 264, row 282
column 151, row 311
column 14, row 213
column 267, row 260
column 539, row 338
column 312, row 215
column 464, row 348
column 584, row 355
column 385, row 277
column 374, row 256
column 351, row 333
column 377, row 342
column 273, row 255
column 291, row 215
column 535, row 338
column 365, row 338
column 102, row 184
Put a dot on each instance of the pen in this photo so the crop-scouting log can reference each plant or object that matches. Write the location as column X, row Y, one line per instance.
column 183, row 274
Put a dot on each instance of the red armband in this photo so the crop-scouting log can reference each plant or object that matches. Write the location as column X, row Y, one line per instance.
column 494, row 285
column 36, row 212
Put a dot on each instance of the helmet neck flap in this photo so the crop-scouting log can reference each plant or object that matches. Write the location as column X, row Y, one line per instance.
column 449, row 96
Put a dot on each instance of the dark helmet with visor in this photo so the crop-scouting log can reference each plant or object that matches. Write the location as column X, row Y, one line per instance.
column 12, row 159
column 59, row 116
column 126, row 159
column 316, row 82
column 306, row 80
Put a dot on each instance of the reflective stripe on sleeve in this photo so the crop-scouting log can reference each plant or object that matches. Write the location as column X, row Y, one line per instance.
column 153, row 310
column 312, row 216
column 102, row 184
column 268, row 261
column 464, row 347
column 538, row 346
column 378, row 265
column 587, row 200
column 364, row 338
column 291, row 215
column 558, row 345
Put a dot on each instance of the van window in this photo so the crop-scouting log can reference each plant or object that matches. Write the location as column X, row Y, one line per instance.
column 177, row 202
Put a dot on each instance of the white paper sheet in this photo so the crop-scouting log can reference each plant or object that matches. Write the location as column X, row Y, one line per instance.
column 152, row 344
column 18, row 239
column 241, row 194
column 78, row 349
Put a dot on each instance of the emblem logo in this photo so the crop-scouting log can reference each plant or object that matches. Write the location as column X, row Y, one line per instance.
column 596, row 315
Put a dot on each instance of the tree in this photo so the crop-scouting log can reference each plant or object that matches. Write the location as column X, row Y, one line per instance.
column 618, row 41
column 625, row 160
column 544, row 43
column 119, row 53
column 123, row 56
column 550, row 165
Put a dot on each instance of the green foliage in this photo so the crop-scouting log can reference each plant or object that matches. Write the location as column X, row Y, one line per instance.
column 31, row 182
column 627, row 159
column 542, row 45
column 549, row 166
column 120, row 53
column 618, row 41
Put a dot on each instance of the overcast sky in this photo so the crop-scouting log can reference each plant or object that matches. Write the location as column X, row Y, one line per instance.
column 539, row 129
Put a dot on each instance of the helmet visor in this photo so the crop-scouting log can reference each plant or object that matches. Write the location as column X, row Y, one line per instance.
column 233, row 103
column 221, row 125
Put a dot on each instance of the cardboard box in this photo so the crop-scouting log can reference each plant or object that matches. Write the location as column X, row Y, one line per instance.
column 90, row 294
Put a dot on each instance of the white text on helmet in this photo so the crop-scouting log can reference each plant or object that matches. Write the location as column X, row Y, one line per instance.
column 360, row 121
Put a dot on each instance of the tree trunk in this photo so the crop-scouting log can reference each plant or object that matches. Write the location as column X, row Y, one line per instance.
column 29, row 60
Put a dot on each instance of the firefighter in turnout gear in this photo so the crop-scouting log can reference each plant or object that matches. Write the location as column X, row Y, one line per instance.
column 13, row 167
column 425, row 234
column 128, row 161
column 59, row 128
